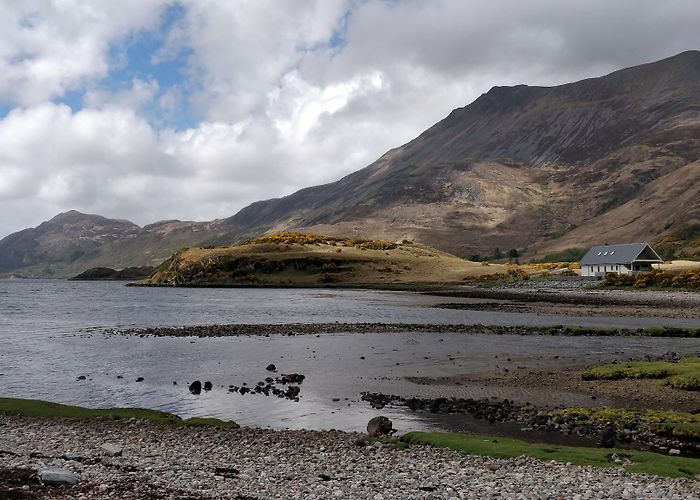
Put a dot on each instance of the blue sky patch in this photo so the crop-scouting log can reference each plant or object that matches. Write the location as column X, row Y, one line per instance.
column 135, row 58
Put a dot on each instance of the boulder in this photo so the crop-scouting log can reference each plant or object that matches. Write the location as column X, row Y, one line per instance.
column 196, row 387
column 271, row 367
column 380, row 426
column 606, row 437
column 207, row 386
column 57, row 477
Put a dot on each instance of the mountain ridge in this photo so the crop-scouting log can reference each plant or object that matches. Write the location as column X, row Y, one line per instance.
column 542, row 168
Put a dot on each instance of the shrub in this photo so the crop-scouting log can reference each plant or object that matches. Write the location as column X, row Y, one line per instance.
column 295, row 238
column 689, row 278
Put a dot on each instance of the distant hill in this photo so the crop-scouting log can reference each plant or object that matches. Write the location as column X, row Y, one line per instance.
column 109, row 274
column 73, row 242
column 539, row 169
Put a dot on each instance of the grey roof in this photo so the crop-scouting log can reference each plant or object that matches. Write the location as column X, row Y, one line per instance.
column 620, row 254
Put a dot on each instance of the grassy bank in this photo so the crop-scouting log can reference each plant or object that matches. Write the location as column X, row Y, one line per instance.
column 45, row 409
column 685, row 374
column 639, row 461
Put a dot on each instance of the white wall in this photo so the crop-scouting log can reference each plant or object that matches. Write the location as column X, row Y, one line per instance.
column 601, row 269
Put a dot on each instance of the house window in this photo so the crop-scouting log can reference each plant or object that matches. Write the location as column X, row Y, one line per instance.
column 598, row 268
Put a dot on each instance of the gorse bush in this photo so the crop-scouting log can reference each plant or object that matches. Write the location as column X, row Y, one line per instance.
column 510, row 276
column 685, row 279
column 294, row 238
column 552, row 266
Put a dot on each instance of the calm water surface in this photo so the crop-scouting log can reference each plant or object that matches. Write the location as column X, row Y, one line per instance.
column 50, row 333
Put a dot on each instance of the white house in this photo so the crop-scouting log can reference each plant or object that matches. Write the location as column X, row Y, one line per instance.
column 629, row 258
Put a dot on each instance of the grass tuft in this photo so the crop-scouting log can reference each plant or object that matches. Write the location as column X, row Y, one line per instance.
column 685, row 374
column 641, row 461
column 45, row 409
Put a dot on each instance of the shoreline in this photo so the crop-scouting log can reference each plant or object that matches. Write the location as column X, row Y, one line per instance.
column 293, row 329
column 157, row 461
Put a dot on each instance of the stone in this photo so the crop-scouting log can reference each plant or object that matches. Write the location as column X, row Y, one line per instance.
column 196, row 387
column 139, row 379
column 111, row 450
column 271, row 367
column 207, row 386
column 379, row 426
column 674, row 451
column 606, row 437
column 57, row 477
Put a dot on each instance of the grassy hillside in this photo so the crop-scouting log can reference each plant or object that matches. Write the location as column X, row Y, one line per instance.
column 305, row 259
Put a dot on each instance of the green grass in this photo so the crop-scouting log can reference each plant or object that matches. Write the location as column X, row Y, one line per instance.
column 209, row 422
column 574, row 330
column 45, row 409
column 641, row 462
column 685, row 374
column 672, row 331
column 661, row 422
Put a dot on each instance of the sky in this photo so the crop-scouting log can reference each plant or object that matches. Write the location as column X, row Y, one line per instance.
column 156, row 109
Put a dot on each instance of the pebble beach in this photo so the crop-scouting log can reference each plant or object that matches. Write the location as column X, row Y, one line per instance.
column 129, row 459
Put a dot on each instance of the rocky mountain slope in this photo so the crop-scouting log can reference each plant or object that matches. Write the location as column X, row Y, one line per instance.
column 609, row 159
column 605, row 159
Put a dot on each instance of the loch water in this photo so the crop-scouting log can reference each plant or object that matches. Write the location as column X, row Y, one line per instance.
column 53, row 331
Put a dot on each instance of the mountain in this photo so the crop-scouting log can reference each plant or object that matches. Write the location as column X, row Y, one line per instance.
column 605, row 159
column 608, row 159
column 72, row 242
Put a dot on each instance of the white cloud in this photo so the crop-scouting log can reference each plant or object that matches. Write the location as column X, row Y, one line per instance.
column 281, row 107
column 140, row 94
column 50, row 47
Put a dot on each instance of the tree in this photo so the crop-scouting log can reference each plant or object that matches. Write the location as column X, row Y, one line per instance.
column 513, row 254
column 497, row 254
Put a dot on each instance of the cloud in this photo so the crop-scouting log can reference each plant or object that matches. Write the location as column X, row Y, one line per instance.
column 278, row 95
column 139, row 94
column 49, row 47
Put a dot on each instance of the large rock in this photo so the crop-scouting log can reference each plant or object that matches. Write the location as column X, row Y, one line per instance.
column 379, row 426
column 56, row 477
column 606, row 437
column 196, row 387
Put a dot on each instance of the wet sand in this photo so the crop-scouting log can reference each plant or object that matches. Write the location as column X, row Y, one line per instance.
column 619, row 393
